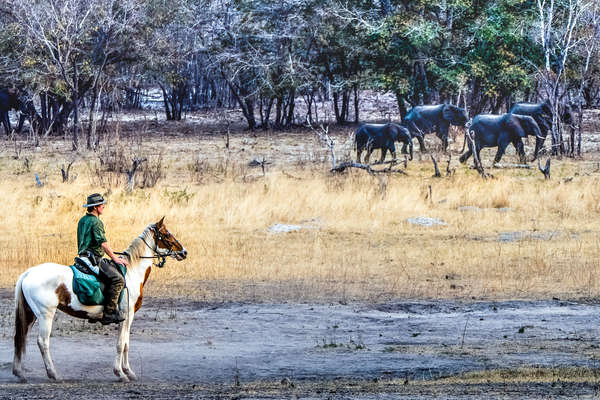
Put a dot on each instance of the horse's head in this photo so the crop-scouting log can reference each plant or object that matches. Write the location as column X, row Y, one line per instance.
column 166, row 244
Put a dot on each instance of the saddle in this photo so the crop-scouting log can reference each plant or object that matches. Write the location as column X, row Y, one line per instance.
column 88, row 286
column 87, row 265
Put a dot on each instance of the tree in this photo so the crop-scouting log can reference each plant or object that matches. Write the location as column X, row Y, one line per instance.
column 69, row 44
column 559, row 33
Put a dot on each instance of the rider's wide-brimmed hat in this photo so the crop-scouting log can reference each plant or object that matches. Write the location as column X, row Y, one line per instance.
column 94, row 200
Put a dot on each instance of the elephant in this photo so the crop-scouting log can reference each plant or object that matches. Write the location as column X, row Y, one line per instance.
column 9, row 99
column 542, row 114
column 425, row 119
column 381, row 136
column 489, row 130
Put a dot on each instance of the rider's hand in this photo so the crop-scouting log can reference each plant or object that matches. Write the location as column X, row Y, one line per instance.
column 121, row 260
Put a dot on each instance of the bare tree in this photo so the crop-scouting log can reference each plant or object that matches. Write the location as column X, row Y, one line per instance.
column 559, row 33
column 588, row 50
column 70, row 43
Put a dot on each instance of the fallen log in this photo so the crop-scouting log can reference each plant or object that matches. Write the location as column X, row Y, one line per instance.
column 345, row 165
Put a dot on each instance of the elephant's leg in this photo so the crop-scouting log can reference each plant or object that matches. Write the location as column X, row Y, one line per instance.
column 443, row 135
column 477, row 152
column 358, row 154
column 404, row 148
column 416, row 132
column 368, row 156
column 520, row 150
column 5, row 122
column 383, row 153
column 421, row 143
column 501, row 149
column 463, row 158
column 393, row 151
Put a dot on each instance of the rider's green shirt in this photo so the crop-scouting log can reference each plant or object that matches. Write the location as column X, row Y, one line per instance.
column 90, row 235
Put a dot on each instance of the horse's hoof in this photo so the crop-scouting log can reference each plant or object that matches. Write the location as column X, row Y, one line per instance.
column 132, row 376
column 123, row 379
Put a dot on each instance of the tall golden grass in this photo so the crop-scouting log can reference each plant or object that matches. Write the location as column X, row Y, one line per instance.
column 356, row 243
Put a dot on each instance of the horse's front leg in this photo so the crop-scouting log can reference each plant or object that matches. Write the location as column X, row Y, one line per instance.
column 125, row 361
column 117, row 366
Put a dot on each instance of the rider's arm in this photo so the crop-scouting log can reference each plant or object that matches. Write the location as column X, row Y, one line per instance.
column 112, row 255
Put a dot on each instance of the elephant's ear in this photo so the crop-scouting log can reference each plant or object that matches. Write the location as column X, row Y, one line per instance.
column 545, row 123
column 529, row 126
column 454, row 115
column 546, row 108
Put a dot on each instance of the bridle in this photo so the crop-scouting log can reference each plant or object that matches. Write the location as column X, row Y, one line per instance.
column 161, row 256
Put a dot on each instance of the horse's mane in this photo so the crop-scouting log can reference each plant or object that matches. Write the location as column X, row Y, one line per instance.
column 137, row 247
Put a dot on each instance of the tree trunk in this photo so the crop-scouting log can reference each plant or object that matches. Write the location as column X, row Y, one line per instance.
column 75, row 108
column 91, row 128
column 166, row 103
column 291, row 106
column 356, row 105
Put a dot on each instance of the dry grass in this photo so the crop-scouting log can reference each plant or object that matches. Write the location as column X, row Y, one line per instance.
column 358, row 245
column 522, row 375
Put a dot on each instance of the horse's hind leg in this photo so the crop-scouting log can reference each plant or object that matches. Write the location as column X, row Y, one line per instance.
column 20, row 348
column 45, row 322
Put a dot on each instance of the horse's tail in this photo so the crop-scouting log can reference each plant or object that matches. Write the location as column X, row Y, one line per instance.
column 24, row 317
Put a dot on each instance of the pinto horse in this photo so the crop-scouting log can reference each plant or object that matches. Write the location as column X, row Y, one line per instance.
column 46, row 287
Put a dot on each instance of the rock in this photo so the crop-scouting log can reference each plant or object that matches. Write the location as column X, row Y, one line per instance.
column 469, row 208
column 425, row 221
column 313, row 223
column 520, row 235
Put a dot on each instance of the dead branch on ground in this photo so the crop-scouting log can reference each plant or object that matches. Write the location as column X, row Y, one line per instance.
column 478, row 164
column 546, row 169
column 323, row 135
column 65, row 171
column 506, row 166
column 262, row 163
column 131, row 172
column 435, row 167
column 367, row 167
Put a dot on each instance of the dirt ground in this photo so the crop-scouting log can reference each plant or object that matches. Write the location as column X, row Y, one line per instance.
column 404, row 349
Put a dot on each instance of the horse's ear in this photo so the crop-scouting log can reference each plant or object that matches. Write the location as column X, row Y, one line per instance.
column 160, row 223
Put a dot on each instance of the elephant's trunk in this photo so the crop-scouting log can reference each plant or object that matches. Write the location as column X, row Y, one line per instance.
column 539, row 143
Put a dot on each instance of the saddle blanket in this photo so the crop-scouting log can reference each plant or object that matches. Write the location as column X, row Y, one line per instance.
column 88, row 288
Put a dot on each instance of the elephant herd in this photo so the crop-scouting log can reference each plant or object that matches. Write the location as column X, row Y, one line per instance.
column 485, row 130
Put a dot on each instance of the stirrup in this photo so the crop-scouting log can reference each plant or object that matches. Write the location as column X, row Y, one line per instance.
column 112, row 318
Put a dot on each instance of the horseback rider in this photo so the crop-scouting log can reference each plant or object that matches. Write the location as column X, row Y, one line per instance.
column 92, row 243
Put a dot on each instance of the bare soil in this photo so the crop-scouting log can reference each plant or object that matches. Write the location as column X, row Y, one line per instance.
column 403, row 349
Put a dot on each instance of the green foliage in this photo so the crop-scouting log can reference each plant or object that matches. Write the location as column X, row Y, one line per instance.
column 422, row 51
